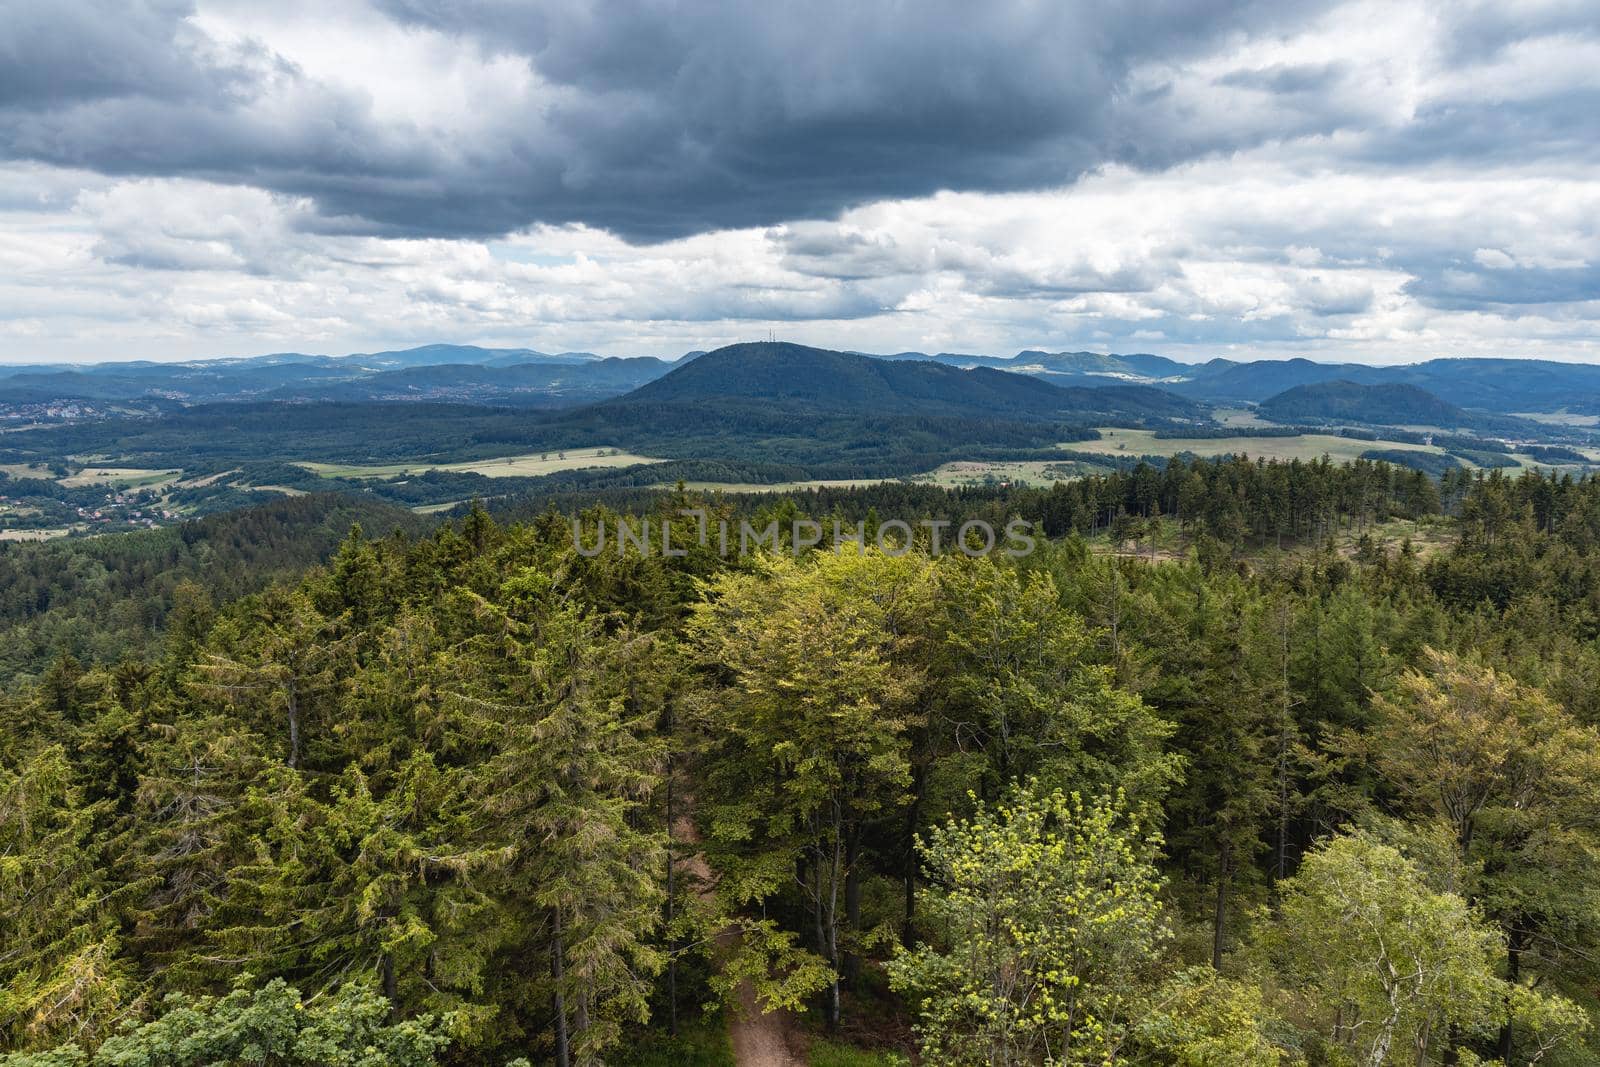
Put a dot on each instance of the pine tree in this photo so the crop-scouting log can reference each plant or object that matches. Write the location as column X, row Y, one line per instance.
column 570, row 712
column 279, row 664
column 61, row 973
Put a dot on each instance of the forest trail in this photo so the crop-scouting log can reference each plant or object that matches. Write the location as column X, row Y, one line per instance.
column 760, row 1039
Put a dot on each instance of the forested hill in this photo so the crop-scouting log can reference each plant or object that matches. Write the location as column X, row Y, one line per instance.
column 842, row 382
column 479, row 798
column 548, row 384
column 101, row 599
column 437, row 372
column 1389, row 403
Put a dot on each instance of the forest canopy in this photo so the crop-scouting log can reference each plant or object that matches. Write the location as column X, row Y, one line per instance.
column 1225, row 772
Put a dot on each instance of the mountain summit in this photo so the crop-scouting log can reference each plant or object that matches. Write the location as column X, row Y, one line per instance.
column 798, row 376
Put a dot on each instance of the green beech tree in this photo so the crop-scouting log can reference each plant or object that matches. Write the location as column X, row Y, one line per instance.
column 1517, row 782
column 1394, row 970
column 1017, row 678
column 814, row 696
column 1199, row 1018
column 1050, row 920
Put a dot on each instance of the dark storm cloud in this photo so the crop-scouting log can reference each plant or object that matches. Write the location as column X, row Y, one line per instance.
column 56, row 56
column 1562, row 124
column 1282, row 78
column 1467, row 287
column 652, row 119
column 1480, row 31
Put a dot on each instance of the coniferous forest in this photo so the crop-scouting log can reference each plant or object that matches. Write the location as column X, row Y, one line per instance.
column 854, row 533
column 1281, row 790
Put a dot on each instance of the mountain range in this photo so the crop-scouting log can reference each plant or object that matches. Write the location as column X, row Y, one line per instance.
column 525, row 377
column 1495, row 385
column 762, row 413
column 442, row 373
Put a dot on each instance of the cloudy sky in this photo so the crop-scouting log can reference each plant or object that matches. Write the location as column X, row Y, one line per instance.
column 1384, row 181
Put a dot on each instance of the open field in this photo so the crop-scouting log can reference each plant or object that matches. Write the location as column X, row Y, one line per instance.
column 1018, row 472
column 1303, row 446
column 205, row 480
column 1428, row 537
column 1308, row 446
column 776, row 487
column 121, row 477
column 529, row 465
column 1559, row 418
column 34, row 535
column 1240, row 417
column 1529, row 461
column 26, row 470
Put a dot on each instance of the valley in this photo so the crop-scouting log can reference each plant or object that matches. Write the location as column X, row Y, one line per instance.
column 765, row 417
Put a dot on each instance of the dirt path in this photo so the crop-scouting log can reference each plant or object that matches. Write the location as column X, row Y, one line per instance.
column 760, row 1039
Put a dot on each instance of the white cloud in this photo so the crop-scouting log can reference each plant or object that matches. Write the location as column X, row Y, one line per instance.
column 1353, row 228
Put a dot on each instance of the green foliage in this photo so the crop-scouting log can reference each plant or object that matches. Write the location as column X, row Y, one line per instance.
column 1386, row 962
column 102, row 598
column 825, row 1053
column 1385, row 403
column 268, row 1026
column 440, row 774
column 61, row 972
column 1199, row 1018
column 704, row 1044
column 1050, row 917
column 1513, row 780
column 810, row 733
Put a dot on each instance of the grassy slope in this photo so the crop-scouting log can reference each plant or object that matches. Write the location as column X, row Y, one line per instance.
column 529, row 464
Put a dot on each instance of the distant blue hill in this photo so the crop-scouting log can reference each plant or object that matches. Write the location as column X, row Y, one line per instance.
column 1497, row 386
column 462, row 373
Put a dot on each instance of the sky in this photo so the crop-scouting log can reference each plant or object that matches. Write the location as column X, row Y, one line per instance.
column 1377, row 181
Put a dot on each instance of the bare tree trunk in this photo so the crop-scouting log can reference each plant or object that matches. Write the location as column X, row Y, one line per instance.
column 557, row 969
column 1514, row 943
column 390, row 992
column 672, row 955
column 1283, row 752
column 294, row 726
column 852, row 916
column 1219, row 935
column 580, row 1020
column 909, row 843
column 816, row 901
column 833, row 934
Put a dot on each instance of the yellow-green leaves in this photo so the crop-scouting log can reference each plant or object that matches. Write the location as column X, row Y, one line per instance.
column 1390, row 968
column 1046, row 920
